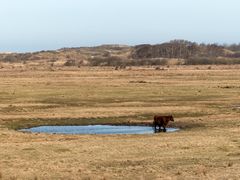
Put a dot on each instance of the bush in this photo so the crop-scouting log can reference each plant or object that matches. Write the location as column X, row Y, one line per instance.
column 117, row 61
column 70, row 63
column 10, row 58
column 107, row 61
column 208, row 61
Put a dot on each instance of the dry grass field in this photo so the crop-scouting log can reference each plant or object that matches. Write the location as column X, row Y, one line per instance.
column 204, row 101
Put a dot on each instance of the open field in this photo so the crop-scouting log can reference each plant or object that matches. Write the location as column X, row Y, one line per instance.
column 204, row 101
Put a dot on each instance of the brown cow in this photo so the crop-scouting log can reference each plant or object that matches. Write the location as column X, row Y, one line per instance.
column 161, row 121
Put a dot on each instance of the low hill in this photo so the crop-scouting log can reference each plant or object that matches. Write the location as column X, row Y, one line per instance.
column 183, row 52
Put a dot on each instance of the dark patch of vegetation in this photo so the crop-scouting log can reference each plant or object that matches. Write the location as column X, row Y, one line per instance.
column 149, row 62
column 159, row 68
column 233, row 47
column 174, row 49
column 15, row 57
column 120, row 62
column 141, row 82
column 29, row 149
column 180, row 49
column 71, row 63
column 191, row 52
column 228, row 87
column 107, row 61
column 207, row 61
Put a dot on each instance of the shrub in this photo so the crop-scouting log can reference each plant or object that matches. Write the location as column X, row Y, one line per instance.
column 10, row 58
column 70, row 63
column 208, row 61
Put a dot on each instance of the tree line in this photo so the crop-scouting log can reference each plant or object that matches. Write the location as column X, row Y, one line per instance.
column 182, row 49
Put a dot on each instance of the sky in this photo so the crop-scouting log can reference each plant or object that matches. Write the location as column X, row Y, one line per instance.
column 33, row 25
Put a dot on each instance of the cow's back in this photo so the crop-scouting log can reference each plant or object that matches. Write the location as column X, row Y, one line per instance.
column 161, row 120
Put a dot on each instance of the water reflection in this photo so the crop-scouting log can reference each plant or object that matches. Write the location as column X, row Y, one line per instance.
column 95, row 129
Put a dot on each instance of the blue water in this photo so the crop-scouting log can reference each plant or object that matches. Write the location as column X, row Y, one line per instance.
column 95, row 129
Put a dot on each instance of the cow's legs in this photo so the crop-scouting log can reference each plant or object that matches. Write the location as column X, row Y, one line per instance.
column 164, row 129
column 155, row 128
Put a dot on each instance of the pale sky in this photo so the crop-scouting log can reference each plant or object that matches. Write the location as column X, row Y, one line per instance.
column 31, row 25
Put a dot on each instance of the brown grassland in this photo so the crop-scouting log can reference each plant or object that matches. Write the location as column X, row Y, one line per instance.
column 204, row 101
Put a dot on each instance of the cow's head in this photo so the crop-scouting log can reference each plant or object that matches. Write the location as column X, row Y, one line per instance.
column 171, row 118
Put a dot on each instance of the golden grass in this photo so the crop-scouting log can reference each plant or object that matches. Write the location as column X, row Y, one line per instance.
column 205, row 103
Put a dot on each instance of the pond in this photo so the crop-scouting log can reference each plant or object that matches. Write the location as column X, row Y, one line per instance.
column 95, row 129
